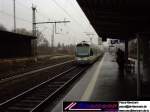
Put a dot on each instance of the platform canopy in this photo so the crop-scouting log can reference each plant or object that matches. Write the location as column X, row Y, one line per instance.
column 119, row 19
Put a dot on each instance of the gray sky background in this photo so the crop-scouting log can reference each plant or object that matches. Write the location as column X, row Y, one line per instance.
column 49, row 10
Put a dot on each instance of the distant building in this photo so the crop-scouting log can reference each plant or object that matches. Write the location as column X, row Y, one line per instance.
column 14, row 45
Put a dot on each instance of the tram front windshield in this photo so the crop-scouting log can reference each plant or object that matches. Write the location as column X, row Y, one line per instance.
column 82, row 51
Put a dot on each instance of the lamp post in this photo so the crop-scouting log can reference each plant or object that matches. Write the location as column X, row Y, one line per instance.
column 14, row 4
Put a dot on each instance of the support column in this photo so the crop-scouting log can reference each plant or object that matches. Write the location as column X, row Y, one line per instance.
column 33, row 21
column 15, row 16
column 53, row 36
column 146, row 60
column 138, row 67
column 126, row 51
column 34, row 42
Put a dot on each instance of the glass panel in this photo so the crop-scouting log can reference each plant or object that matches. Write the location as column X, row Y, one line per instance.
column 83, row 51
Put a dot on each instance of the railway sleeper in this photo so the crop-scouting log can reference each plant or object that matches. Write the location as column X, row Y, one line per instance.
column 17, row 109
column 45, row 92
column 55, row 86
column 29, row 101
column 48, row 90
column 25, row 105
column 33, row 98
column 59, row 83
column 64, row 79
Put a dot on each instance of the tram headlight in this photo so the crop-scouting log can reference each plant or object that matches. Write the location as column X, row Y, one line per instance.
column 78, row 59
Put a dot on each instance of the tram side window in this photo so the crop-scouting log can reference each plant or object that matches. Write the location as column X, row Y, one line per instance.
column 91, row 52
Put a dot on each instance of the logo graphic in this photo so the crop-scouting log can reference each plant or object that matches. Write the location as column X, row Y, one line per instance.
column 69, row 107
column 90, row 106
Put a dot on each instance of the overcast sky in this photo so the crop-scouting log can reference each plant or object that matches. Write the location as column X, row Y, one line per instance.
column 49, row 10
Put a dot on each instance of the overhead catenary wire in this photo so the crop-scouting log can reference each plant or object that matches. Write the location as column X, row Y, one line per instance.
column 42, row 15
column 18, row 18
column 23, row 5
column 81, row 13
column 44, row 28
column 54, row 1
column 72, row 17
column 29, row 8
column 57, row 4
column 73, row 30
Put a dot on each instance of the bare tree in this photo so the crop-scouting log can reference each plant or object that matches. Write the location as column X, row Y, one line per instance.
column 41, row 40
column 2, row 28
column 23, row 31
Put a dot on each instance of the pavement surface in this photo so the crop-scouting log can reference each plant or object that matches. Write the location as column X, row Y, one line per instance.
column 102, row 82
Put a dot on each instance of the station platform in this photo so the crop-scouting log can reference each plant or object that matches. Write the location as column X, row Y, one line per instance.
column 102, row 82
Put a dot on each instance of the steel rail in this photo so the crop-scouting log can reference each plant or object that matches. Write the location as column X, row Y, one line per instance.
column 36, row 107
column 31, row 72
column 4, row 104
column 42, row 104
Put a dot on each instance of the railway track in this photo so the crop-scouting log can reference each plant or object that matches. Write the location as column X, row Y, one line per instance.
column 34, row 99
column 15, row 85
column 32, row 67
column 17, row 76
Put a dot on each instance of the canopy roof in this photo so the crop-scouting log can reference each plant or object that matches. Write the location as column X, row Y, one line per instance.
column 117, row 18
